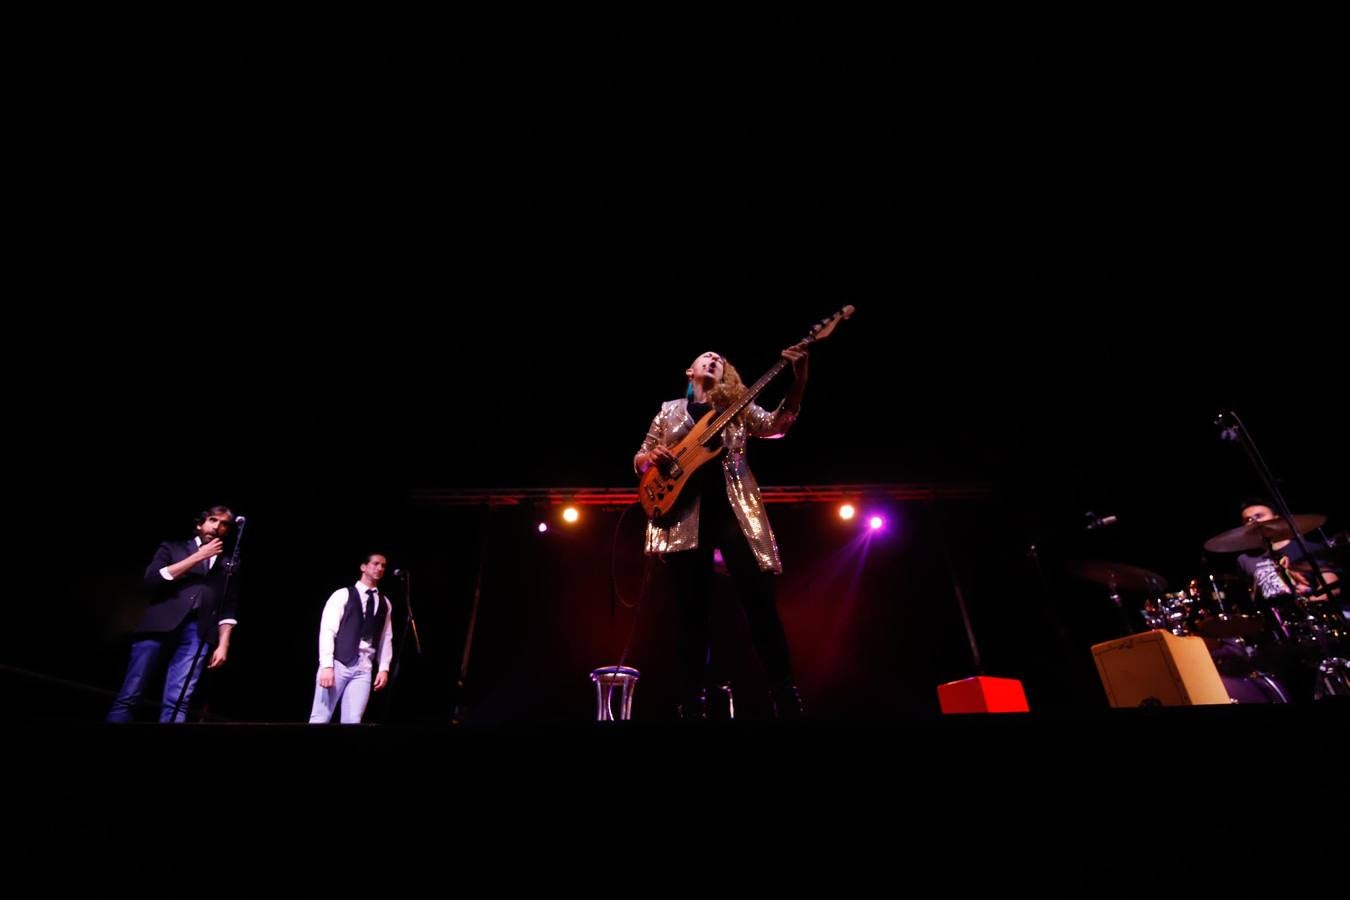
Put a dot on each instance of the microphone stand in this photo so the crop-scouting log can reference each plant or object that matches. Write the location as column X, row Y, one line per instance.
column 230, row 565
column 409, row 625
column 461, row 706
column 977, row 660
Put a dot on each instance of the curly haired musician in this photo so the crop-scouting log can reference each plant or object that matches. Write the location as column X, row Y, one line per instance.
column 721, row 509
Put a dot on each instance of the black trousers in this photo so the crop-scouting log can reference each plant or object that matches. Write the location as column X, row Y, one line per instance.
column 692, row 575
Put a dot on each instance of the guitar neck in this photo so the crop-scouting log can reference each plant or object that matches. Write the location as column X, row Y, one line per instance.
column 821, row 330
column 735, row 409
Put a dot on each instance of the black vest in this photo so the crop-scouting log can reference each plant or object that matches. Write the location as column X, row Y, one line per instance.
column 347, row 647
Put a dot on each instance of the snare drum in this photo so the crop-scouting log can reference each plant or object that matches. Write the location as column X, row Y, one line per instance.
column 1219, row 617
column 1206, row 613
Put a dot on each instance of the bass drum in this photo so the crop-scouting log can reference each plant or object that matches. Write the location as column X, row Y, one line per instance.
column 1254, row 687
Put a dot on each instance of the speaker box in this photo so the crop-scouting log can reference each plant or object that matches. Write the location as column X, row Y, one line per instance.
column 1157, row 668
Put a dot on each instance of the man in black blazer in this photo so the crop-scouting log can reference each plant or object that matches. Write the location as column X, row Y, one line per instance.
column 191, row 614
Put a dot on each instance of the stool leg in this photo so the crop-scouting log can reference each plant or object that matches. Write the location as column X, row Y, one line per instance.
column 627, row 711
column 599, row 702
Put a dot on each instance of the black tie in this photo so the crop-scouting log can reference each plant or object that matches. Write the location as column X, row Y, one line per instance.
column 368, row 623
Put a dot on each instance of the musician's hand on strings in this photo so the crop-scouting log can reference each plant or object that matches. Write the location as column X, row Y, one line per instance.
column 659, row 455
column 796, row 354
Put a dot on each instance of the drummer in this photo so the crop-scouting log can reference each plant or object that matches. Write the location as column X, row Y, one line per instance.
column 1283, row 569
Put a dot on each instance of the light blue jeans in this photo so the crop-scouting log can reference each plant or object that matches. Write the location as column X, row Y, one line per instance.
column 350, row 691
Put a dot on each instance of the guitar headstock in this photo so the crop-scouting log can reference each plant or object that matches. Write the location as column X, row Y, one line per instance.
column 824, row 327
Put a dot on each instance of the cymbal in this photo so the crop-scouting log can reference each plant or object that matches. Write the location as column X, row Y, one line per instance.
column 1119, row 575
column 1255, row 535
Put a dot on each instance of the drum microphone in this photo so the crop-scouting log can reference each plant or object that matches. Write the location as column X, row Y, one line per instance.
column 1095, row 521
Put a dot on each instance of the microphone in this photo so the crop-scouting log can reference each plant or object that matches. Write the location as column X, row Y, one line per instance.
column 240, row 520
column 1228, row 430
column 1095, row 521
column 400, row 573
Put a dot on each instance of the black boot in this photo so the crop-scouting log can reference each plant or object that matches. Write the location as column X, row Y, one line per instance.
column 694, row 706
column 787, row 703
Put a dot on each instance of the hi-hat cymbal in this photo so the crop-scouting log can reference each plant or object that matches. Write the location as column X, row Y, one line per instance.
column 1255, row 535
column 1119, row 575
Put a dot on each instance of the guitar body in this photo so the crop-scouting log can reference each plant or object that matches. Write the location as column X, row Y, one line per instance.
column 660, row 487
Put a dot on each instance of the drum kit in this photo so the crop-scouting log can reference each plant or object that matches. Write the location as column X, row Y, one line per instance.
column 1246, row 629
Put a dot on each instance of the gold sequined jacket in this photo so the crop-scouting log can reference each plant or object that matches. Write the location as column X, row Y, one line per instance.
column 680, row 530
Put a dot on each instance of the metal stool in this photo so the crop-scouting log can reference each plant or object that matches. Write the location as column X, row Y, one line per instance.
column 608, row 680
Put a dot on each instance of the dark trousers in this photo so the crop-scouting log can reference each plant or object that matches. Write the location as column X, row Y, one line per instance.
column 692, row 574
